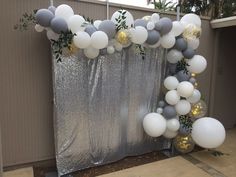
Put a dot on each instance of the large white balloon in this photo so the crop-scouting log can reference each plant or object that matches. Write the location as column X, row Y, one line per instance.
column 171, row 83
column 193, row 43
column 197, row 64
column 170, row 134
column 177, row 28
column 154, row 124
column 139, row 35
column 168, row 41
column 172, row 97
column 173, row 124
column 208, row 132
column 183, row 107
column 99, row 40
column 185, row 89
column 64, row 11
column 75, row 23
column 91, row 52
column 195, row 97
column 173, row 56
column 129, row 20
column 82, row 40
column 191, row 18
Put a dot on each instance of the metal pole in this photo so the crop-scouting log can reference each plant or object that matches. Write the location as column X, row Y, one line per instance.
column 178, row 13
column 51, row 2
column 108, row 9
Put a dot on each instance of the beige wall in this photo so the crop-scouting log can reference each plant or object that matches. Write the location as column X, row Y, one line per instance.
column 26, row 83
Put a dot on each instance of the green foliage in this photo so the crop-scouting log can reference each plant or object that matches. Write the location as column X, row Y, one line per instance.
column 182, row 65
column 186, row 121
column 25, row 21
column 217, row 153
column 141, row 50
column 163, row 5
column 121, row 23
column 88, row 20
column 200, row 7
column 64, row 41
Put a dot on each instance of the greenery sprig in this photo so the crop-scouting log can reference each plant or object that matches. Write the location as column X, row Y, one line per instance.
column 25, row 21
column 217, row 153
column 64, row 41
column 182, row 65
column 186, row 121
column 141, row 50
column 121, row 23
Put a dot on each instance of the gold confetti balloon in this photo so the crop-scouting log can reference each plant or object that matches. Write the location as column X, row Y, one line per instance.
column 183, row 143
column 69, row 51
column 191, row 31
column 123, row 37
column 198, row 109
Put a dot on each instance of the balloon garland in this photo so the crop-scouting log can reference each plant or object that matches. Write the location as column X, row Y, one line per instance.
column 180, row 114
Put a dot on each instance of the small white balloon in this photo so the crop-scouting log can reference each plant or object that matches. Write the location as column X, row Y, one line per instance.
column 193, row 43
column 99, row 40
column 64, row 11
column 173, row 56
column 185, row 89
column 170, row 134
column 172, row 97
column 177, row 28
column 208, row 132
column 91, row 52
column 110, row 50
column 96, row 23
column 197, row 64
column 155, row 17
column 195, row 97
column 171, row 83
column 129, row 20
column 139, row 35
column 82, row 40
column 183, row 107
column 159, row 110
column 118, row 46
column 52, row 36
column 75, row 23
column 168, row 41
column 191, row 19
column 150, row 25
column 39, row 28
column 173, row 125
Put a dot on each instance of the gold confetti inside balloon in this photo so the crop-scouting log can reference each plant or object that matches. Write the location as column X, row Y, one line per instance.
column 71, row 50
column 183, row 143
column 198, row 109
column 191, row 31
column 123, row 37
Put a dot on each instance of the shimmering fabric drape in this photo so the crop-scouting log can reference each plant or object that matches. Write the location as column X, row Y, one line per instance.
column 99, row 105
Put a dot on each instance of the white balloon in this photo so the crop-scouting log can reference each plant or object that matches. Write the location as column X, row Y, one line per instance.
column 191, row 19
column 82, row 40
column 172, row 97
column 139, row 35
column 171, row 83
column 64, row 11
column 110, row 49
column 177, row 28
column 39, row 28
column 129, row 20
column 91, row 52
column 52, row 36
column 197, row 64
column 185, row 89
column 96, row 23
column 173, row 56
column 118, row 46
column 208, row 132
column 170, row 134
column 154, row 124
column 150, row 25
column 168, row 41
column 99, row 40
column 183, row 107
column 159, row 110
column 75, row 23
column 193, row 43
column 173, row 125
column 155, row 17
column 195, row 97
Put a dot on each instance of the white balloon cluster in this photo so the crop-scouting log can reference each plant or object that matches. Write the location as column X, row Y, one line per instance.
column 182, row 98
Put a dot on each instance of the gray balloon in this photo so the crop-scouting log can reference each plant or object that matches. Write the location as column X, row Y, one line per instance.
column 103, row 51
column 188, row 53
column 153, row 37
column 158, row 26
column 59, row 25
column 184, row 130
column 52, row 9
column 44, row 17
column 192, row 80
column 161, row 104
column 183, row 76
column 180, row 44
column 169, row 112
column 140, row 22
column 108, row 27
column 166, row 25
column 90, row 29
column 172, row 68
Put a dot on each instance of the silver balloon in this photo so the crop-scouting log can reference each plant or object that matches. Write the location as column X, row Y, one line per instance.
column 188, row 53
column 166, row 25
column 44, row 17
column 180, row 44
column 52, row 9
column 169, row 112
column 153, row 37
column 108, row 27
column 59, row 25
column 90, row 29
column 140, row 22
column 183, row 76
